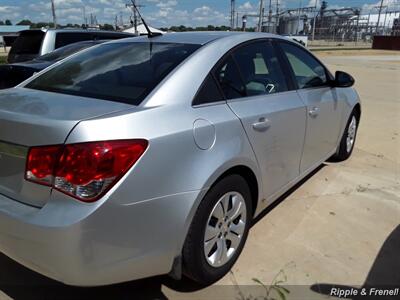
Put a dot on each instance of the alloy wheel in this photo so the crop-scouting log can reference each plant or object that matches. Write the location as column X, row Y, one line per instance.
column 351, row 134
column 224, row 229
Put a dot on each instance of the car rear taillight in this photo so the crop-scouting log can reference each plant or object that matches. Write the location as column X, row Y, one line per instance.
column 41, row 162
column 86, row 170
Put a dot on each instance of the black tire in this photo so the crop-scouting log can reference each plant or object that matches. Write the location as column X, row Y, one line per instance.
column 195, row 265
column 342, row 152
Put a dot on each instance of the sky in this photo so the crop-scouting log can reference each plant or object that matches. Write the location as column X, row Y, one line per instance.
column 159, row 13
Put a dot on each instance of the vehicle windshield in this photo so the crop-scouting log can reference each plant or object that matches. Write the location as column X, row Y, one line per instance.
column 121, row 72
column 28, row 42
column 63, row 52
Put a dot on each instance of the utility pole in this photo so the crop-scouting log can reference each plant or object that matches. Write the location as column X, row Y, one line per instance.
column 277, row 17
column 232, row 14
column 298, row 21
column 260, row 20
column 379, row 17
column 270, row 16
column 121, row 19
column 84, row 17
column 314, row 21
column 135, row 15
column 53, row 10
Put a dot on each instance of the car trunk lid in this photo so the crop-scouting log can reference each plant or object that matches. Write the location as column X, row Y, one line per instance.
column 36, row 118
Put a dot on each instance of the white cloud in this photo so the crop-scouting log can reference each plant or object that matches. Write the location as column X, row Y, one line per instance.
column 158, row 13
column 8, row 9
column 166, row 4
column 204, row 10
column 391, row 5
column 312, row 3
column 246, row 6
column 9, row 12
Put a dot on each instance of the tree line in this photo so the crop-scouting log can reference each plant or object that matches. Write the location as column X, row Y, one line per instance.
column 183, row 28
column 106, row 26
column 6, row 22
column 51, row 25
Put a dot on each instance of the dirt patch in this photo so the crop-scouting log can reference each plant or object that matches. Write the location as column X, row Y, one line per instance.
column 356, row 52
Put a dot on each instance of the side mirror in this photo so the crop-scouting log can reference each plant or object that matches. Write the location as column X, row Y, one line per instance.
column 342, row 80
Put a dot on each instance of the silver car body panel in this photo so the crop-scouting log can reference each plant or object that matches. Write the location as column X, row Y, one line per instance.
column 278, row 158
column 323, row 124
column 49, row 42
column 33, row 118
column 138, row 228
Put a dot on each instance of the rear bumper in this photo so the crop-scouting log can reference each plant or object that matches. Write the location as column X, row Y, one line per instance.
column 101, row 244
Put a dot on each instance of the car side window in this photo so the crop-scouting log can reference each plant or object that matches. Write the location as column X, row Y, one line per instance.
column 66, row 38
column 307, row 70
column 260, row 69
column 209, row 92
column 228, row 77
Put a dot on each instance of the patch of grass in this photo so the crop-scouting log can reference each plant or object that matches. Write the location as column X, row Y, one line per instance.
column 274, row 291
column 3, row 59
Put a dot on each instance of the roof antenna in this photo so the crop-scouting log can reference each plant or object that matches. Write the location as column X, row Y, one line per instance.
column 149, row 32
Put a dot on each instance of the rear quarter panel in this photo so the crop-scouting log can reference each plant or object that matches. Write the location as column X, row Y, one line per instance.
column 173, row 164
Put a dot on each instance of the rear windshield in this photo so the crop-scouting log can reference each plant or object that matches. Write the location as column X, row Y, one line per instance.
column 65, row 51
column 121, row 72
column 28, row 43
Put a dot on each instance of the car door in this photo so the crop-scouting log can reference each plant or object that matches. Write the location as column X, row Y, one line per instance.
column 273, row 115
column 323, row 109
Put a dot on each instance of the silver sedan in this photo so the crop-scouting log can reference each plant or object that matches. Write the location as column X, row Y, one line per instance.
column 150, row 156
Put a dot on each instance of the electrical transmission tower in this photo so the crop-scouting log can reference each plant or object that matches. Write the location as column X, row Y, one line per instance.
column 379, row 17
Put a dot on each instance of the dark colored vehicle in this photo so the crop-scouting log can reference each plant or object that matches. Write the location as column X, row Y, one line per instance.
column 33, row 43
column 13, row 74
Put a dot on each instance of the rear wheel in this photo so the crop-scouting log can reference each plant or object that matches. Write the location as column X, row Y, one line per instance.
column 219, row 231
column 348, row 139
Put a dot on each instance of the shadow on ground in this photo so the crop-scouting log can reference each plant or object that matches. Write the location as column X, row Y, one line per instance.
column 20, row 283
column 385, row 271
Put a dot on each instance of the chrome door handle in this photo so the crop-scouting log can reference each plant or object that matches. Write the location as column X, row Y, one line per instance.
column 313, row 112
column 262, row 124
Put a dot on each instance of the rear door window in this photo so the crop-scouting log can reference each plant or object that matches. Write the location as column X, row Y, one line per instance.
column 28, row 42
column 121, row 72
column 260, row 69
column 66, row 38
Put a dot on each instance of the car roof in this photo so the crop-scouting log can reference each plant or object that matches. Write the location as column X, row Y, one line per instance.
column 78, row 31
column 198, row 37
